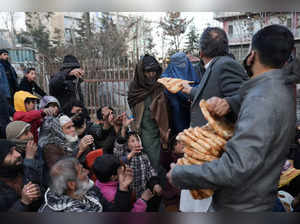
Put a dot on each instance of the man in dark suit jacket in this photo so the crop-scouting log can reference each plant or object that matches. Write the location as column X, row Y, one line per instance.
column 222, row 78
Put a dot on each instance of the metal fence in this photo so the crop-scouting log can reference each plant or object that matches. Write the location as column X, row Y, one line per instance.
column 106, row 82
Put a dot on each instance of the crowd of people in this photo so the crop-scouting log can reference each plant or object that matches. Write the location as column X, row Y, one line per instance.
column 55, row 158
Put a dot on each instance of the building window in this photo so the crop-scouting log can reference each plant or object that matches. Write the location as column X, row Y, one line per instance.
column 289, row 23
column 230, row 30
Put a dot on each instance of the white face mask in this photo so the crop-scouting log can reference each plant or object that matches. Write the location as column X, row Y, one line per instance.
column 71, row 138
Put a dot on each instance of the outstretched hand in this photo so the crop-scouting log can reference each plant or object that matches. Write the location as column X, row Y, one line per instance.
column 125, row 177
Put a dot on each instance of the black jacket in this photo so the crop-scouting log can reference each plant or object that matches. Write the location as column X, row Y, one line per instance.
column 31, row 87
column 12, row 78
column 65, row 87
column 10, row 200
column 5, row 112
column 222, row 78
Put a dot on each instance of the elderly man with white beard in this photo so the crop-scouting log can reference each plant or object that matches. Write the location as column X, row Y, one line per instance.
column 72, row 191
column 78, row 148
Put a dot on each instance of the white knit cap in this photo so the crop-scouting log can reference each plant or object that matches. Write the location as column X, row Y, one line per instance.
column 63, row 120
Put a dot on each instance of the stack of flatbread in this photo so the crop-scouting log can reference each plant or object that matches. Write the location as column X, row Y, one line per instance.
column 173, row 85
column 204, row 144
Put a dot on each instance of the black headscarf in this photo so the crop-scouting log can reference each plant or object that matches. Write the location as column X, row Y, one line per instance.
column 141, row 86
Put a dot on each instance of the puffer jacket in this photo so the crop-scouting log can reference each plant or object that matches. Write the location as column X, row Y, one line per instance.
column 34, row 117
column 246, row 176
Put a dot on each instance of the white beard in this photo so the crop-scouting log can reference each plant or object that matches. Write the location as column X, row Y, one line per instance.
column 83, row 187
column 71, row 138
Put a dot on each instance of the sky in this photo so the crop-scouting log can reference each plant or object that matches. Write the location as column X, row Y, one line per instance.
column 201, row 21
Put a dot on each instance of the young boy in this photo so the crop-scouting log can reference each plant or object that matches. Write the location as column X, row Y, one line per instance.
column 128, row 148
column 25, row 106
column 106, row 169
column 28, row 83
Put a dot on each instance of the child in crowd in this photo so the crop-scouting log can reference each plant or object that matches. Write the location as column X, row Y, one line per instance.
column 128, row 148
column 106, row 169
column 171, row 195
column 25, row 106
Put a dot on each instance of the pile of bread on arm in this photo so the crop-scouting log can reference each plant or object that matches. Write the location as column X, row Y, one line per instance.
column 207, row 143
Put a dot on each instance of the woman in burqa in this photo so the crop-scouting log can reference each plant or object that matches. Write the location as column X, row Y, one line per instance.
column 180, row 67
column 149, row 107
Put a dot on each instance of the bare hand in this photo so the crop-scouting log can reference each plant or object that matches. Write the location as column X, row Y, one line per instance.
column 218, row 106
column 77, row 72
column 186, row 88
column 31, row 149
column 49, row 111
column 85, row 142
column 169, row 174
column 30, row 193
column 126, row 121
column 125, row 177
column 135, row 151
column 147, row 195
column 157, row 190
column 166, row 137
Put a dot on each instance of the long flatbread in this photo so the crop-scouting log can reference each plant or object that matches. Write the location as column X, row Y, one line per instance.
column 214, row 147
column 189, row 142
column 221, row 127
column 198, row 155
column 208, row 134
column 173, row 85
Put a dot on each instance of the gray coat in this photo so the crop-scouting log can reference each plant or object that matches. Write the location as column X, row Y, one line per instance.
column 245, row 178
column 222, row 78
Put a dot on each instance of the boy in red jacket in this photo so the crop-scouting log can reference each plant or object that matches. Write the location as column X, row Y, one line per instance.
column 25, row 106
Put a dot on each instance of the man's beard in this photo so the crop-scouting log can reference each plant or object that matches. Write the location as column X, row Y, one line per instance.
column 71, row 138
column 83, row 187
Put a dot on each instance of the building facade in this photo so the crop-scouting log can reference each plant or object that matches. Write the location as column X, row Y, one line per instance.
column 240, row 27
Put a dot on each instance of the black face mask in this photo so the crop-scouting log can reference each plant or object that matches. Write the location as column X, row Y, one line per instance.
column 78, row 120
column 248, row 67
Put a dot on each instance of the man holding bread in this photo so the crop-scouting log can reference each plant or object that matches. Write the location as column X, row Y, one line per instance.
column 245, row 177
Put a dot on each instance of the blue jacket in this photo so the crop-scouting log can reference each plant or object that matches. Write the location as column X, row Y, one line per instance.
column 4, row 85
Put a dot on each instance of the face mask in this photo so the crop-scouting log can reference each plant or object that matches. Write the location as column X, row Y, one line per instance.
column 248, row 67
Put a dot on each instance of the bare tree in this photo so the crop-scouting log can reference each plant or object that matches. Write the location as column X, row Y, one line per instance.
column 174, row 26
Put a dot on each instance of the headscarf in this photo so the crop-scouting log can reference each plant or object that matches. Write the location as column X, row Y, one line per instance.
column 47, row 100
column 141, row 86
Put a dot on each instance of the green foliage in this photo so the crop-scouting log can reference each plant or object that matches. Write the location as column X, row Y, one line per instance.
column 192, row 43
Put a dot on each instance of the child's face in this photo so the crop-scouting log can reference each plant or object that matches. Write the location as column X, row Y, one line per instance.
column 30, row 105
column 134, row 143
column 178, row 148
column 31, row 76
